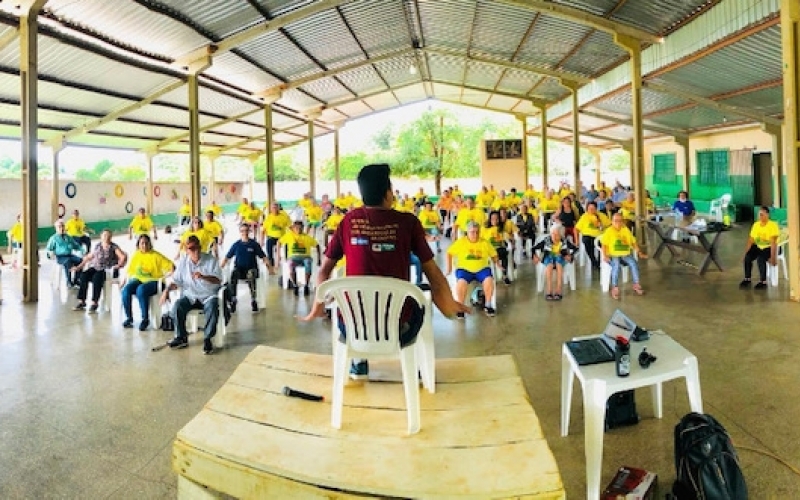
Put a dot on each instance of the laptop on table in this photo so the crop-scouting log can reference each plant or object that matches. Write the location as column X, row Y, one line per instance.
column 601, row 349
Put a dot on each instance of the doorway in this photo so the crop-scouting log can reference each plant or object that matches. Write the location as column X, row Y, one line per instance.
column 762, row 179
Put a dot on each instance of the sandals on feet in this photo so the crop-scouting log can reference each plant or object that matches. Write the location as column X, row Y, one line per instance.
column 549, row 296
column 558, row 296
column 615, row 292
column 638, row 289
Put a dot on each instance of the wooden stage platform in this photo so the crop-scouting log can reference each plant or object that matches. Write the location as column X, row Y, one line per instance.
column 480, row 437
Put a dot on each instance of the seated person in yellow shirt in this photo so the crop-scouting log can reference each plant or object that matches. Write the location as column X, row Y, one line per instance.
column 185, row 213
column 332, row 222
column 468, row 213
column 276, row 224
column 556, row 253
column 215, row 231
column 242, row 210
column 473, row 255
column 15, row 236
column 618, row 246
column 145, row 270
column 484, row 199
column 431, row 223
column 142, row 224
column 628, row 209
column 197, row 230
column 495, row 233
column 214, row 208
column 762, row 245
column 76, row 228
column 297, row 250
column 313, row 217
column 590, row 226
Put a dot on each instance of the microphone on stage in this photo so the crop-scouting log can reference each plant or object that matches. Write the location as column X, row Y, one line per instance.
column 287, row 391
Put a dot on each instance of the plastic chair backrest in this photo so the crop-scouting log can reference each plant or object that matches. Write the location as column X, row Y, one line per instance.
column 725, row 200
column 370, row 307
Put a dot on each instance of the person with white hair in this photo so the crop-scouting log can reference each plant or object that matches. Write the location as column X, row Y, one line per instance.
column 62, row 246
column 556, row 252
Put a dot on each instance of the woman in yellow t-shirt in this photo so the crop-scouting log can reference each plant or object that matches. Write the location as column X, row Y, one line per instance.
column 618, row 246
column 197, row 229
column 432, row 224
column 762, row 245
column 590, row 226
column 145, row 270
column 495, row 233
column 473, row 255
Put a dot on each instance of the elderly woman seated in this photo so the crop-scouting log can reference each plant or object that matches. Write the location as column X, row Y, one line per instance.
column 473, row 257
column 556, row 253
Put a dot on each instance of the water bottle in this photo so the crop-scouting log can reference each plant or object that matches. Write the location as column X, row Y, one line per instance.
column 622, row 357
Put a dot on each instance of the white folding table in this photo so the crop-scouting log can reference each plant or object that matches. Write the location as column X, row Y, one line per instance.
column 600, row 381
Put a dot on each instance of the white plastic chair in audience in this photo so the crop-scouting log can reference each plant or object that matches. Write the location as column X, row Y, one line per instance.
column 605, row 268
column 108, row 285
column 193, row 322
column 286, row 275
column 773, row 275
column 361, row 300
column 155, row 304
column 718, row 207
column 569, row 276
column 261, row 281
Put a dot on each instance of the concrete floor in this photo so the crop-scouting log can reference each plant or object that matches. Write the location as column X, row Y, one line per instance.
column 88, row 411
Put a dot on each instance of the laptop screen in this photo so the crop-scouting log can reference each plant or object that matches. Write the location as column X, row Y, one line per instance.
column 619, row 325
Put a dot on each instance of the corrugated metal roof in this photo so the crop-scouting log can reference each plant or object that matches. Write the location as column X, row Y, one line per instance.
column 130, row 22
column 78, row 69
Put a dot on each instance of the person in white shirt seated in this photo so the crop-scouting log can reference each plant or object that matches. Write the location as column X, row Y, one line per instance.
column 199, row 277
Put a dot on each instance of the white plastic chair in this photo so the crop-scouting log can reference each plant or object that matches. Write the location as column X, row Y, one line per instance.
column 261, row 282
column 772, row 271
column 605, row 268
column 300, row 275
column 569, row 276
column 718, row 207
column 108, row 285
column 361, row 300
column 193, row 321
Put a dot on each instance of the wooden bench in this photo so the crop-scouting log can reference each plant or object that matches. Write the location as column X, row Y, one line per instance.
column 480, row 437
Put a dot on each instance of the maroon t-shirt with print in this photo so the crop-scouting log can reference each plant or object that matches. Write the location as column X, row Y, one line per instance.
column 379, row 242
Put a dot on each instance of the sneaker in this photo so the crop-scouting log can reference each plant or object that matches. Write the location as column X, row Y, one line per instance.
column 761, row 285
column 359, row 371
column 233, row 305
column 93, row 309
column 208, row 347
column 80, row 307
column 460, row 315
column 306, row 291
column 178, row 343
column 144, row 325
column 557, row 296
column 745, row 284
column 128, row 323
column 549, row 296
column 490, row 311
column 506, row 281
column 296, row 291
column 254, row 306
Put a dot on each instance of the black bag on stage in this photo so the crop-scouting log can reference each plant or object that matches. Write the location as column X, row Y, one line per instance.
column 621, row 410
column 706, row 461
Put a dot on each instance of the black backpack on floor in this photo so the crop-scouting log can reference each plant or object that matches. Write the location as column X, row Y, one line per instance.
column 706, row 461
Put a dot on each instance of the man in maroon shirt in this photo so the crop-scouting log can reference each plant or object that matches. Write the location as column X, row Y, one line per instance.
column 378, row 241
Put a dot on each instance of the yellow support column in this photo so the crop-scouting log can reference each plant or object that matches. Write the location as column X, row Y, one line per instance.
column 57, row 146
column 269, row 150
column 337, row 127
column 524, row 122
column 195, row 68
column 634, row 49
column 576, row 135
column 776, row 133
column 149, row 155
column 790, row 33
column 683, row 142
column 29, row 101
column 542, row 106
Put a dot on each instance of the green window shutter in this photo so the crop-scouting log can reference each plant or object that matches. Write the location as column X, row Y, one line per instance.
column 712, row 167
column 721, row 167
column 664, row 169
column 705, row 168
